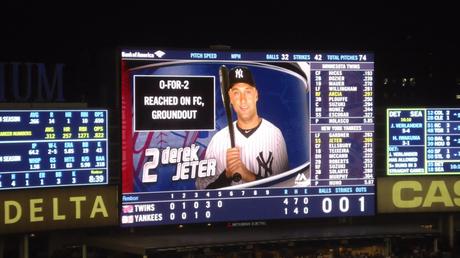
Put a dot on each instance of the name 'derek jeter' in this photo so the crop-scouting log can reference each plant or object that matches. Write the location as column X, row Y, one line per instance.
column 188, row 164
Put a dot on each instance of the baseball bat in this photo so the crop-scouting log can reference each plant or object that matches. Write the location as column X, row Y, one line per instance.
column 223, row 74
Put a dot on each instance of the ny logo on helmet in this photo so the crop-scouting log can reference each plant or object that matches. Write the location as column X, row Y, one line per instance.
column 239, row 73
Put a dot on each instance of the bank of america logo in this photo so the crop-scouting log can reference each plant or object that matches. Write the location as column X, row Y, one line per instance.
column 159, row 53
column 301, row 180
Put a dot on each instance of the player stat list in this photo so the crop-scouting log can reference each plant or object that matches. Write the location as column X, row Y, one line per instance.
column 423, row 141
column 342, row 121
column 53, row 148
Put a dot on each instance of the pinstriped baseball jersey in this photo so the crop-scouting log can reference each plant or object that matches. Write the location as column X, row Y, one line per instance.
column 263, row 152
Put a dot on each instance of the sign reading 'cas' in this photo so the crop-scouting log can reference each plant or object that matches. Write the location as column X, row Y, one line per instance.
column 418, row 194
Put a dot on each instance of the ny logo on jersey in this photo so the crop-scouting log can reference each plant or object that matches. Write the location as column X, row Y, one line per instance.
column 239, row 73
column 265, row 166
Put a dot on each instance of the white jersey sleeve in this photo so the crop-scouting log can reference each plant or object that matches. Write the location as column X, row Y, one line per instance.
column 281, row 161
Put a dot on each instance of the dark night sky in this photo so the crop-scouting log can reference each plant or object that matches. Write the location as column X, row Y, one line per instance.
column 420, row 41
column 271, row 24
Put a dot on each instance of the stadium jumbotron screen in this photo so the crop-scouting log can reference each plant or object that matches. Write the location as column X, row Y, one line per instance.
column 300, row 143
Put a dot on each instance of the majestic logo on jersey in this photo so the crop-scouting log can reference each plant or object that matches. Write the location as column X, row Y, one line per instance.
column 265, row 166
column 239, row 73
column 301, row 180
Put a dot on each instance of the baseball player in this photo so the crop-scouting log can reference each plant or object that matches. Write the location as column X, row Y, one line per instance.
column 260, row 149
